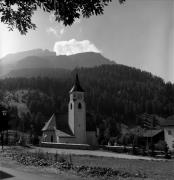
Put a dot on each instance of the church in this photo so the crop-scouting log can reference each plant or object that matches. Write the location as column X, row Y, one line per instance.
column 71, row 127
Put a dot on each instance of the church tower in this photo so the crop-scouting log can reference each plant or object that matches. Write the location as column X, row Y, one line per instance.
column 77, row 112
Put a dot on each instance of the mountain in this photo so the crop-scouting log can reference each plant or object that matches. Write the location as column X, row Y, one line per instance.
column 39, row 72
column 13, row 58
column 89, row 59
column 44, row 59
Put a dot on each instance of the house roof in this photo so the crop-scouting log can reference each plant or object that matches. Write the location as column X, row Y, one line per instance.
column 169, row 121
column 152, row 133
column 62, row 123
column 76, row 86
column 51, row 124
column 59, row 123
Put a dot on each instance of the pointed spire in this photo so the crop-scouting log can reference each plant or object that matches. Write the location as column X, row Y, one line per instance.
column 76, row 86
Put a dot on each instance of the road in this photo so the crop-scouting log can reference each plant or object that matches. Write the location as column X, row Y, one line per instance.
column 26, row 174
column 13, row 174
column 11, row 170
column 92, row 153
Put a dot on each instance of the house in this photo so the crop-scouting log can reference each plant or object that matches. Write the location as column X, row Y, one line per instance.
column 168, row 125
column 152, row 136
column 71, row 127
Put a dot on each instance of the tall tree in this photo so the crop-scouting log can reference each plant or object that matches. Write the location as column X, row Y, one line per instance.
column 18, row 13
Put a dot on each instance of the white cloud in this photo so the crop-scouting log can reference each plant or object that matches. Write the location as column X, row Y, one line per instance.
column 73, row 47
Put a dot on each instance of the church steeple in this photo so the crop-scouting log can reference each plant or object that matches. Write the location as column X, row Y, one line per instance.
column 76, row 86
column 77, row 111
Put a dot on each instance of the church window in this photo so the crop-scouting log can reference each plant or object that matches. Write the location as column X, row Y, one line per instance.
column 71, row 105
column 51, row 138
column 80, row 106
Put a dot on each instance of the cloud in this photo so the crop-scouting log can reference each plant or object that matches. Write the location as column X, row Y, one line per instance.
column 73, row 47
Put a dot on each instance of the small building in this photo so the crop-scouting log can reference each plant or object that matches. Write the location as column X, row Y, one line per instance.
column 168, row 125
column 71, row 127
column 152, row 136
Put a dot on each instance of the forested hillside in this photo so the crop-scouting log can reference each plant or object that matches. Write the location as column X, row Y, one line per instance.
column 115, row 94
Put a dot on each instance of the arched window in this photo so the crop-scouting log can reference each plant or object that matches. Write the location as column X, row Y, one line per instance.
column 71, row 106
column 80, row 106
column 51, row 138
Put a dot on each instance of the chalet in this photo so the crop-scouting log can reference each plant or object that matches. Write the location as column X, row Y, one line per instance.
column 71, row 127
column 153, row 135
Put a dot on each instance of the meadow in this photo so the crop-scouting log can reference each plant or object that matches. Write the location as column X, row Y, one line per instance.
column 98, row 167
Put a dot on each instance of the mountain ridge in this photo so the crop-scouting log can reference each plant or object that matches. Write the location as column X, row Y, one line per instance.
column 46, row 59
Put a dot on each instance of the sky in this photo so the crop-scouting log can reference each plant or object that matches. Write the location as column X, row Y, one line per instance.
column 139, row 34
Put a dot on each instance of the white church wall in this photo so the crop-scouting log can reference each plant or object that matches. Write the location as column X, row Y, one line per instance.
column 169, row 137
column 77, row 116
column 80, row 122
column 71, row 115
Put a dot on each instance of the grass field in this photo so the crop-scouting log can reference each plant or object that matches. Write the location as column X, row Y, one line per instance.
column 152, row 169
column 161, row 170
